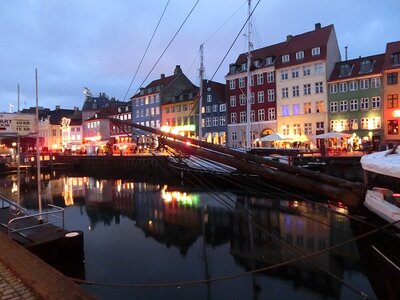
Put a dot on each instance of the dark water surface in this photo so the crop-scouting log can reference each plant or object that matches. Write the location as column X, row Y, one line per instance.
column 152, row 240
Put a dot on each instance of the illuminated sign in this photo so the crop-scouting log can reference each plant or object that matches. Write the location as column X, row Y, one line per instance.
column 17, row 124
column 396, row 113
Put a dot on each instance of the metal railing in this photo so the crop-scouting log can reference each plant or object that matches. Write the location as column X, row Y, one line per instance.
column 20, row 220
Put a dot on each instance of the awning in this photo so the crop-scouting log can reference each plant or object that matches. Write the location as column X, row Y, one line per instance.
column 222, row 134
column 215, row 134
column 206, row 135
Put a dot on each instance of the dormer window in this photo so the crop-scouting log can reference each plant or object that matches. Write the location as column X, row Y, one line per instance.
column 300, row 55
column 395, row 59
column 269, row 60
column 244, row 66
column 315, row 51
column 232, row 68
column 366, row 66
column 285, row 58
column 257, row 63
column 345, row 70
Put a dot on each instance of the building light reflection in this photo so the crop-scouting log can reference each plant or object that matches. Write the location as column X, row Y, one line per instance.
column 182, row 198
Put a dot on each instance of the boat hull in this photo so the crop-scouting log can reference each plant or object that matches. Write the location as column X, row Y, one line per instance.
column 375, row 201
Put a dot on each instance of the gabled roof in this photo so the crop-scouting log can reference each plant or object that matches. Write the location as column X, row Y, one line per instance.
column 391, row 48
column 355, row 67
column 218, row 88
column 318, row 37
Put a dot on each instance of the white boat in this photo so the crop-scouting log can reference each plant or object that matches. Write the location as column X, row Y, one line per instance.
column 382, row 201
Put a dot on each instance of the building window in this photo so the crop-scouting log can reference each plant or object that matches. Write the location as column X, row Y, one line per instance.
column 208, row 109
column 393, row 127
column 260, row 79
column 269, row 60
column 208, row 122
column 252, row 116
column 252, row 80
column 295, row 72
column 353, row 124
column 285, row 58
column 233, row 101
column 353, row 104
column 222, row 121
column 252, row 99
column 234, row 135
column 319, row 106
column 392, row 101
column 241, row 82
column 371, row 123
column 319, row 87
column 271, row 113
column 319, row 69
column 364, row 84
column 307, row 108
column 366, row 66
column 244, row 66
column 375, row 82
column 395, row 59
column 345, row 70
column 300, row 55
column 315, row 51
column 296, row 91
column 353, row 85
column 376, row 102
column 271, row 95
column 215, row 108
column 307, row 128
column 209, row 98
column 222, row 107
column 242, row 117
column 285, row 110
column 270, row 77
column 296, row 109
column 333, row 106
column 285, row 92
column 296, row 129
column 307, row 89
column 320, row 126
column 232, row 84
column 342, row 87
column 215, row 121
column 306, row 71
column 260, row 97
column 333, row 88
column 364, row 103
column 284, row 75
column 233, row 118
column 392, row 78
column 242, row 99
column 261, row 115
column 343, row 105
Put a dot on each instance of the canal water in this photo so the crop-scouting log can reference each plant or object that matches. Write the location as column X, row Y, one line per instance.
column 163, row 240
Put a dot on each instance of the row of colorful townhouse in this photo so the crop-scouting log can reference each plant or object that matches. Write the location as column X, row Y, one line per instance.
column 302, row 88
column 299, row 87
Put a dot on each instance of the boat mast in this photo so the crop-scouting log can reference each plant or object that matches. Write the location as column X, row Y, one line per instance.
column 37, row 146
column 18, row 156
column 201, row 71
column 248, row 96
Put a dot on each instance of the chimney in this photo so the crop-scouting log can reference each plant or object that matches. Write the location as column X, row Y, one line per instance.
column 76, row 108
column 345, row 53
column 317, row 26
column 58, row 107
column 162, row 76
column 177, row 70
column 289, row 37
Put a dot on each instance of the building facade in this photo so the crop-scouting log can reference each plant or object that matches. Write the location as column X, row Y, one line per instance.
column 213, row 122
column 391, row 91
column 355, row 100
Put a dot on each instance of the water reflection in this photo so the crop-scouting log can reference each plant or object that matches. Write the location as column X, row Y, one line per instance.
column 134, row 231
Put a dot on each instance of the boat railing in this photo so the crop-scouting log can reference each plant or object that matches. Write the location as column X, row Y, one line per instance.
column 21, row 224
column 14, row 208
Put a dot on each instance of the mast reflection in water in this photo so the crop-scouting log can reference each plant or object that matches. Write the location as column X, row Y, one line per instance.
column 140, row 233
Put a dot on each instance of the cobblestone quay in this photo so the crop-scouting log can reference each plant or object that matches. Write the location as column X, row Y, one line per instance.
column 25, row 276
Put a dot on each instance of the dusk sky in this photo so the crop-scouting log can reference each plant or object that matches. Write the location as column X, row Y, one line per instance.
column 99, row 43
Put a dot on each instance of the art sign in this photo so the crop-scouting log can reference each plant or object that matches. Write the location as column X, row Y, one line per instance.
column 16, row 124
